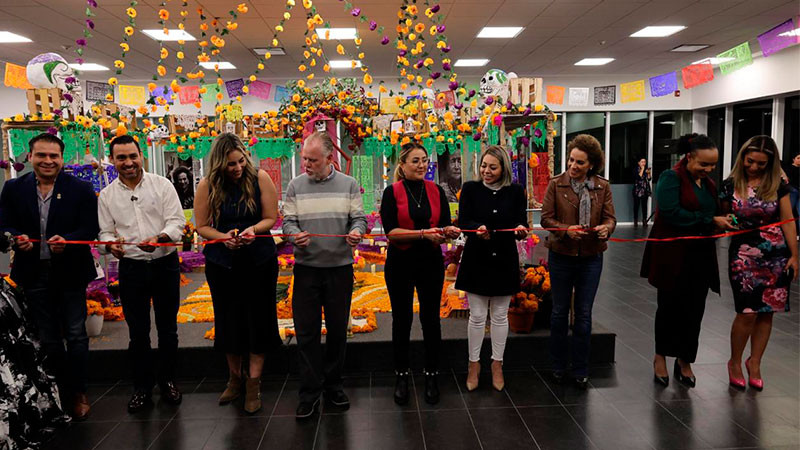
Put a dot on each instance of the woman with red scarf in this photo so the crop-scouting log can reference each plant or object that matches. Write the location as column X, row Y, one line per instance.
column 416, row 217
column 684, row 270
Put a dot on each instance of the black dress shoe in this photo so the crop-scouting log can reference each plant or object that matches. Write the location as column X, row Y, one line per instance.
column 664, row 381
column 558, row 376
column 582, row 382
column 401, row 388
column 170, row 393
column 431, row 388
column 684, row 380
column 139, row 400
column 306, row 409
column 338, row 398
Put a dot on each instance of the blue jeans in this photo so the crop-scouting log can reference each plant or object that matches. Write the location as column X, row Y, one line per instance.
column 60, row 315
column 581, row 273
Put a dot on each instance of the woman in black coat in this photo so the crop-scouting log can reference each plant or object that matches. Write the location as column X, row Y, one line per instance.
column 489, row 270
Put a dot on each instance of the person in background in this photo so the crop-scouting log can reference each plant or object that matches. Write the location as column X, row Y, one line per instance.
column 450, row 175
column 49, row 206
column 237, row 202
column 144, row 208
column 182, row 179
column 762, row 265
column 684, row 270
column 579, row 202
column 641, row 191
column 322, row 201
column 416, row 218
column 791, row 175
column 489, row 269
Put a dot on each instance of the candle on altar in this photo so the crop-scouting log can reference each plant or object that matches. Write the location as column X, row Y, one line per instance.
column 371, row 241
column 462, row 294
column 373, row 269
column 449, row 246
column 383, row 250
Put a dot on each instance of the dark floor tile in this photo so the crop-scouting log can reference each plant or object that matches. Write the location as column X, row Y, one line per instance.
column 553, row 428
column 343, row 431
column 133, row 435
column 382, row 395
column 569, row 394
column 243, row 433
column 185, row 434
column 711, row 422
column 607, row 428
column 485, row 396
column 358, row 391
column 501, row 428
column 659, row 427
column 448, row 430
column 449, row 393
column 395, row 430
column 288, row 433
column 113, row 406
column 80, row 436
column 527, row 389
column 204, row 402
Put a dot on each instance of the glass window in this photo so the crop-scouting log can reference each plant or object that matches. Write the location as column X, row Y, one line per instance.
column 668, row 126
column 628, row 145
column 587, row 123
column 791, row 127
column 716, row 131
column 750, row 119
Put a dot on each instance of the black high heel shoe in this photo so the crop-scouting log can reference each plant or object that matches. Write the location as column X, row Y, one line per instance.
column 684, row 380
column 431, row 388
column 664, row 381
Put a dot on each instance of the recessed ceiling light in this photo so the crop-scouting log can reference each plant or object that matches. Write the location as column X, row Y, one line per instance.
column 593, row 61
column 667, row 122
column 336, row 33
column 690, row 48
column 223, row 65
column 795, row 32
column 7, row 37
column 344, row 64
column 274, row 51
column 88, row 67
column 172, row 35
column 471, row 62
column 499, row 32
column 659, row 31
column 714, row 61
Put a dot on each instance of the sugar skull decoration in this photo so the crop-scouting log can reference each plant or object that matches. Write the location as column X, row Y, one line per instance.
column 50, row 70
column 495, row 84
column 158, row 133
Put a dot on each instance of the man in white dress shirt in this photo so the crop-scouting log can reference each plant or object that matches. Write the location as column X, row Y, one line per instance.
column 143, row 207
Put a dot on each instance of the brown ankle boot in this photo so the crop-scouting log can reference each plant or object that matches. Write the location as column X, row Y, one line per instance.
column 472, row 375
column 252, row 395
column 497, row 375
column 233, row 390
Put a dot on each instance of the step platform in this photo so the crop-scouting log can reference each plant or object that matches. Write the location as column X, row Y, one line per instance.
column 366, row 352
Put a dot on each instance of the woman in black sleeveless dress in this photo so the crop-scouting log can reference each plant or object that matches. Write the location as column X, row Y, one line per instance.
column 236, row 202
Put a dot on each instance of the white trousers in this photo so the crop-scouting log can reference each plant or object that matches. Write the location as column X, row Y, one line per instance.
column 479, row 307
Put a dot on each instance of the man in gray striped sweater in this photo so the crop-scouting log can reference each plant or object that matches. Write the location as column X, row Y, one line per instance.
column 322, row 201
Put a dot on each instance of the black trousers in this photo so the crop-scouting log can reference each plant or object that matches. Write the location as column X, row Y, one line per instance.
column 404, row 271
column 315, row 289
column 60, row 314
column 678, row 318
column 139, row 282
column 640, row 202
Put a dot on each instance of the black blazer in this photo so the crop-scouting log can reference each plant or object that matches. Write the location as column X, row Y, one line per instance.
column 73, row 216
column 490, row 267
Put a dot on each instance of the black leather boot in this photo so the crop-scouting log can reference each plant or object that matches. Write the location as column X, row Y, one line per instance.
column 431, row 387
column 401, row 388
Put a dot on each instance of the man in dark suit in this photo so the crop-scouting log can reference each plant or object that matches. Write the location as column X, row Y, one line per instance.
column 41, row 210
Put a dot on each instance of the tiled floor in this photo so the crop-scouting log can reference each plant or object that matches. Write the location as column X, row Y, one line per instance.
column 622, row 408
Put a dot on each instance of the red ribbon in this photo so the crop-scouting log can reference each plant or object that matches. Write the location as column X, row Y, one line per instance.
column 436, row 231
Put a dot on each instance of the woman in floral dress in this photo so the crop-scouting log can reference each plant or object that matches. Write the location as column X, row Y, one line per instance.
column 762, row 264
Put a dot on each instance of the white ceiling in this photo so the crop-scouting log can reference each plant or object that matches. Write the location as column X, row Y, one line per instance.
column 557, row 33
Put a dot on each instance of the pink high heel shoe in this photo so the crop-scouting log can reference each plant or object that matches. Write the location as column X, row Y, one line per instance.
column 738, row 383
column 755, row 383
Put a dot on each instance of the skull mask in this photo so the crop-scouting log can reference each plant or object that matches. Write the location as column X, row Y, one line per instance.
column 160, row 132
column 495, row 84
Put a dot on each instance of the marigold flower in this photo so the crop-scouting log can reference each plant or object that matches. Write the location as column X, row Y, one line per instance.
column 112, row 81
column 151, row 87
column 125, row 47
column 163, row 14
column 129, row 31
column 242, row 8
column 119, row 64
column 164, row 53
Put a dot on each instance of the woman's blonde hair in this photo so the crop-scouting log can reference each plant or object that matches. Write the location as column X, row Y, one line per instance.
column 404, row 152
column 223, row 145
column 768, row 190
column 505, row 163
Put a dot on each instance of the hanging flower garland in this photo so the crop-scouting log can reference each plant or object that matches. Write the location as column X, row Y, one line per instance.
column 242, row 8
column 119, row 64
column 82, row 43
column 163, row 53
